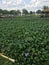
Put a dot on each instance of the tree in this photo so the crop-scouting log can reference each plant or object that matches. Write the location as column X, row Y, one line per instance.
column 1, row 11
column 18, row 12
column 31, row 12
column 24, row 11
column 14, row 12
column 5, row 12
column 38, row 11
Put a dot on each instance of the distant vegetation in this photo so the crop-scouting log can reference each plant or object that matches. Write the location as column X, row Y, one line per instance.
column 15, row 12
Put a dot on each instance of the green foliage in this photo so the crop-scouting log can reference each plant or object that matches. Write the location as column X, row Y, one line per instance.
column 24, row 11
column 26, row 39
column 38, row 11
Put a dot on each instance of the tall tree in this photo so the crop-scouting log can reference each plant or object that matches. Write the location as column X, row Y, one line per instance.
column 38, row 11
column 31, row 12
column 14, row 12
column 24, row 11
column 18, row 12
column 1, row 11
column 5, row 12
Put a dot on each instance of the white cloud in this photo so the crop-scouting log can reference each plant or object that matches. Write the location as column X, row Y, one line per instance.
column 32, row 5
column 20, row 4
column 11, row 2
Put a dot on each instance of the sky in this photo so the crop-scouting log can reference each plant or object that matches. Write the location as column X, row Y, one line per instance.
column 30, row 5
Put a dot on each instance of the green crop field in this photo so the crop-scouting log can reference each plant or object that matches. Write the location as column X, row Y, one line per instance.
column 25, row 39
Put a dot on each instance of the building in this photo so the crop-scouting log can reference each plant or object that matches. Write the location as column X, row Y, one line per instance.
column 45, row 13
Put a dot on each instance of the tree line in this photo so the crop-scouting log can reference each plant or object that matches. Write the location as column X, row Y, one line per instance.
column 24, row 11
column 15, row 12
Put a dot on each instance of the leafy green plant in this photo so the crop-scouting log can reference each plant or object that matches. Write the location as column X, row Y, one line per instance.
column 26, row 39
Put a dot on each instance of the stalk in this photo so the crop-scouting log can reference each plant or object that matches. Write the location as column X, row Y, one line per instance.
column 6, row 57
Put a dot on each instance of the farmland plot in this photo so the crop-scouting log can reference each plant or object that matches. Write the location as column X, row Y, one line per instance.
column 25, row 39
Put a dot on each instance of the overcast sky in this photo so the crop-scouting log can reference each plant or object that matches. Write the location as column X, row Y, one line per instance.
column 20, row 4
